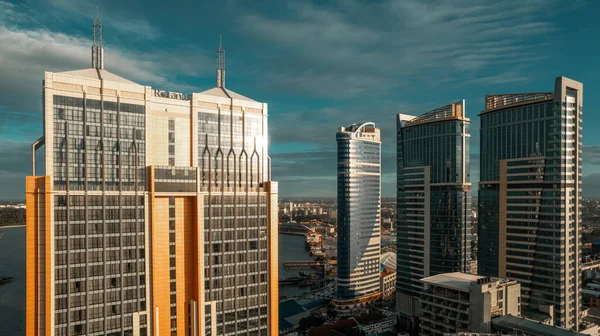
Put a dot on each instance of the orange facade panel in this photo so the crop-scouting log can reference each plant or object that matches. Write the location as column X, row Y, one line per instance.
column 38, row 255
column 160, row 265
column 187, row 268
column 185, row 258
column 273, row 263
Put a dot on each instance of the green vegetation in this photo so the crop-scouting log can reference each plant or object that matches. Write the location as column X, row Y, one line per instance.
column 12, row 216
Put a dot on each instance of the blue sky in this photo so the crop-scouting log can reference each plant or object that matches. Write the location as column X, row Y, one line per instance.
column 319, row 65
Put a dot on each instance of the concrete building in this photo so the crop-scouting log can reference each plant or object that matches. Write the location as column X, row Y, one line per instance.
column 157, row 214
column 376, row 328
column 387, row 284
column 359, row 211
column 433, row 200
column 516, row 325
column 459, row 302
column 530, row 195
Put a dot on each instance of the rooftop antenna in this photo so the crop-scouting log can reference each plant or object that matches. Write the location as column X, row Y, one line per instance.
column 221, row 64
column 97, row 50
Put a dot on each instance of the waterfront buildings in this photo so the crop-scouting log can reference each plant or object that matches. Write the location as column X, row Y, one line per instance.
column 459, row 302
column 157, row 214
column 530, row 194
column 434, row 200
column 359, row 208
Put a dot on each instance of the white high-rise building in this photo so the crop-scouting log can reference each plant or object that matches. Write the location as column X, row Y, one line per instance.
column 359, row 214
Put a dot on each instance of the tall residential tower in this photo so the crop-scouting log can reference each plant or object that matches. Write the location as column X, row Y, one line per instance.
column 359, row 210
column 157, row 214
column 434, row 200
column 530, row 193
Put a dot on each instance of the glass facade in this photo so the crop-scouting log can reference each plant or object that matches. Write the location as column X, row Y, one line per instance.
column 232, row 157
column 359, row 210
column 433, row 198
column 519, row 132
column 99, row 239
column 529, row 198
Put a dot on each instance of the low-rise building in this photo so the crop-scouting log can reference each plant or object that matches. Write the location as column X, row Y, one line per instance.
column 591, row 295
column 387, row 284
column 459, row 302
column 378, row 327
column 290, row 314
column 523, row 326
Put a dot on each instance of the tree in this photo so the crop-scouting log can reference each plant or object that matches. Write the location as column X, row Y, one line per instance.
column 309, row 322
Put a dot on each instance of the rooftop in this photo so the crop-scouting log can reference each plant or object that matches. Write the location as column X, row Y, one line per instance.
column 535, row 314
column 224, row 93
column 341, row 327
column 364, row 131
column 388, row 260
column 501, row 101
column 456, row 280
column 290, row 308
column 590, row 292
column 98, row 72
column 455, row 111
column 94, row 73
column 364, row 127
column 514, row 323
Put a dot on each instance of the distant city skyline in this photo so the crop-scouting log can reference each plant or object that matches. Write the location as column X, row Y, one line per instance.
column 319, row 66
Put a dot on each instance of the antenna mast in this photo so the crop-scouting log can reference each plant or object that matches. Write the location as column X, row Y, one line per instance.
column 221, row 64
column 97, row 50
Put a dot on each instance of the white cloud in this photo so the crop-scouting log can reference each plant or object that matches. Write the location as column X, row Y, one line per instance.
column 134, row 25
column 26, row 54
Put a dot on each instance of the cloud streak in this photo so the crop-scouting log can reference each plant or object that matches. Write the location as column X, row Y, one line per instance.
column 26, row 54
column 351, row 47
column 319, row 65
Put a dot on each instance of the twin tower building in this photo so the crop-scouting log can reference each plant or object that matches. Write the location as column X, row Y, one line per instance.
column 156, row 214
column 528, row 201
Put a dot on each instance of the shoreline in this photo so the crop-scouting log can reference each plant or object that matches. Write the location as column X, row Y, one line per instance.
column 12, row 226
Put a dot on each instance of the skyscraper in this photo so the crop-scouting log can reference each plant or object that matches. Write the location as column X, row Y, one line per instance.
column 434, row 200
column 157, row 214
column 529, row 195
column 359, row 210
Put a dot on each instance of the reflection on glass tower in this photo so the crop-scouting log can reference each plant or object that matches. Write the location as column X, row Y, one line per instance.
column 359, row 209
column 529, row 196
column 434, row 200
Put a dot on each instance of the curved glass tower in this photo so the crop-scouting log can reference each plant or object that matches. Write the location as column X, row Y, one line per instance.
column 434, row 200
column 529, row 195
column 359, row 207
